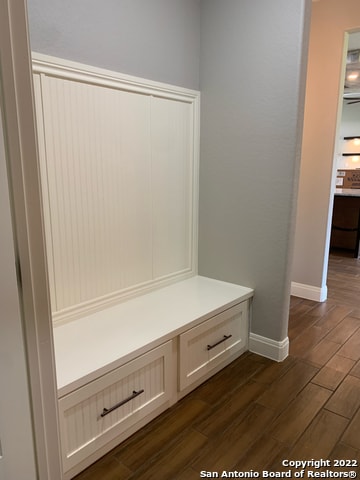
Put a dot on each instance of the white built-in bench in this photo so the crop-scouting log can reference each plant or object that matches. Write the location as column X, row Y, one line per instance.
column 121, row 217
column 120, row 367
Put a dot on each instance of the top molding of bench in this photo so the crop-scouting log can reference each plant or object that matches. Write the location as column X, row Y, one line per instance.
column 93, row 345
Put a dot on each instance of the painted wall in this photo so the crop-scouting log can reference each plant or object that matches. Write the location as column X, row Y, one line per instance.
column 330, row 19
column 15, row 415
column 157, row 39
column 250, row 75
column 35, row 327
column 250, row 67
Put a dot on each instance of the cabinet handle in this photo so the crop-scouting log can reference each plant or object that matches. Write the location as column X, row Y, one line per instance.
column 106, row 411
column 225, row 337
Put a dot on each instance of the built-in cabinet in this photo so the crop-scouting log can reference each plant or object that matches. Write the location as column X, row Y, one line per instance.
column 92, row 416
column 204, row 347
column 135, row 327
column 120, row 367
column 105, row 410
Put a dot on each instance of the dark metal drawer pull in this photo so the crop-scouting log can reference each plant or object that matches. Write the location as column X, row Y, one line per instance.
column 106, row 411
column 225, row 337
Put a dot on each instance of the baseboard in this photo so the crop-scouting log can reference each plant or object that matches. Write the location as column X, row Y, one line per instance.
column 309, row 292
column 266, row 347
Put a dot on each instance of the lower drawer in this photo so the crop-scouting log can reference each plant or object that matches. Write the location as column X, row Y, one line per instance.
column 206, row 346
column 96, row 413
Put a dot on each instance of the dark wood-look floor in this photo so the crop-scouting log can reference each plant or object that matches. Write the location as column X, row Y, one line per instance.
column 256, row 413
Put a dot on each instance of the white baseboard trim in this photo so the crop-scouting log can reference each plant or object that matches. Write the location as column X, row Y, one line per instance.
column 266, row 347
column 309, row 292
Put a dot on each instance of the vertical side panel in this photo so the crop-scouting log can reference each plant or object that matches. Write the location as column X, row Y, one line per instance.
column 16, row 432
column 44, row 186
column 172, row 163
column 136, row 167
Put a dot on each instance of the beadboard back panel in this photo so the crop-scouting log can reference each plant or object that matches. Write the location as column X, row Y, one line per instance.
column 119, row 174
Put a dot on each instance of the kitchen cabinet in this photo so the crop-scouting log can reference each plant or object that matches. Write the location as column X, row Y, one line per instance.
column 345, row 227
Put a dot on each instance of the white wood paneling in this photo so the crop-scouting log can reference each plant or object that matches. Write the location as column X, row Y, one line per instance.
column 119, row 178
column 84, row 430
column 209, row 344
column 97, row 159
column 172, row 142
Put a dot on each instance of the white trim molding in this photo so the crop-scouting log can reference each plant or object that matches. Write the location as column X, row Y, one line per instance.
column 24, row 189
column 269, row 348
column 318, row 294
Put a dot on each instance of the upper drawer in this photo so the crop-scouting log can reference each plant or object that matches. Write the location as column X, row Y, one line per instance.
column 204, row 347
column 98, row 412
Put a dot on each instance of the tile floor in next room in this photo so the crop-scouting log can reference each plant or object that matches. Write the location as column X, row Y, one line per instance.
column 255, row 413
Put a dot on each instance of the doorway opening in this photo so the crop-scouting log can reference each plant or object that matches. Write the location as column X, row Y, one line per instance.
column 345, row 227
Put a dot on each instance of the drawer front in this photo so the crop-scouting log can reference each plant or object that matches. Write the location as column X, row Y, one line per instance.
column 98, row 412
column 206, row 346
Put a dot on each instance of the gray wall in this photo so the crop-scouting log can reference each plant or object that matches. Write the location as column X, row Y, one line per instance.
column 154, row 39
column 250, row 66
column 251, row 57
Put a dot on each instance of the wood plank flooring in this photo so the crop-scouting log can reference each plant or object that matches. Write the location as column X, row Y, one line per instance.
column 256, row 413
